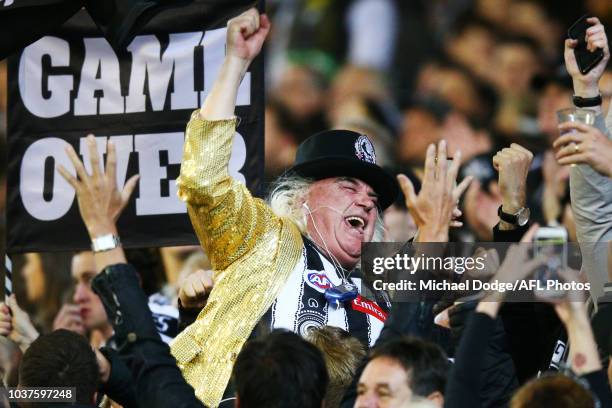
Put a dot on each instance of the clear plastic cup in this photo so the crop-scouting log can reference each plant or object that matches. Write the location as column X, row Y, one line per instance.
column 586, row 116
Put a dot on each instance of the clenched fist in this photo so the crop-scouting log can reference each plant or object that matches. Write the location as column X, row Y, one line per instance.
column 195, row 289
column 513, row 164
column 246, row 34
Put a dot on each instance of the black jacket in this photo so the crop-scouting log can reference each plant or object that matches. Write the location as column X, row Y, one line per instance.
column 497, row 376
column 158, row 380
column 532, row 328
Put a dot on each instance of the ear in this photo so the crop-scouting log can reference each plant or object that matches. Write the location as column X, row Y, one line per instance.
column 437, row 398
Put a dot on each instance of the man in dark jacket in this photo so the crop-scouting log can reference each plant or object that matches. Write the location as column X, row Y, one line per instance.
column 61, row 359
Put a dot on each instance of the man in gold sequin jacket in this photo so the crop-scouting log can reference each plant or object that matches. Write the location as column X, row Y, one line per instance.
column 278, row 262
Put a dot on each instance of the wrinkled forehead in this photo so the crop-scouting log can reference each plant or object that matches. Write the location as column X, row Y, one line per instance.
column 331, row 182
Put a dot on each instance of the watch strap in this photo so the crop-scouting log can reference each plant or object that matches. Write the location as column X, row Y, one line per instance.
column 509, row 218
column 581, row 102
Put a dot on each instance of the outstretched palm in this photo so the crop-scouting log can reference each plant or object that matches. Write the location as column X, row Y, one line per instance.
column 100, row 202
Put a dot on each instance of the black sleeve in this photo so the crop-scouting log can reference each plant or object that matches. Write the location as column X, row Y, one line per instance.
column 186, row 316
column 463, row 387
column 158, row 380
column 120, row 386
column 600, row 387
column 514, row 235
column 498, row 380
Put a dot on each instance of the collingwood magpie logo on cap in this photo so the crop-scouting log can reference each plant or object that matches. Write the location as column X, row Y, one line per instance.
column 365, row 150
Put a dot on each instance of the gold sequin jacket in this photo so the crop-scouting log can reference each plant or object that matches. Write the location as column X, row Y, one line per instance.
column 252, row 250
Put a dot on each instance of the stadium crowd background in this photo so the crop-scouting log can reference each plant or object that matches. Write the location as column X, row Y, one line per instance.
column 480, row 74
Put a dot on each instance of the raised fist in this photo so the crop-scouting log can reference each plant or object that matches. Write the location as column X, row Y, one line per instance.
column 246, row 34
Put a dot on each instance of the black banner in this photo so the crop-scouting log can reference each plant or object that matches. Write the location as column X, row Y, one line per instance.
column 71, row 83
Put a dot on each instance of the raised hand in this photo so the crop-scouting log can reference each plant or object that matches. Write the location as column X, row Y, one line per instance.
column 16, row 324
column 587, row 85
column 513, row 164
column 69, row 318
column 245, row 37
column 195, row 289
column 100, row 202
column 246, row 34
column 433, row 209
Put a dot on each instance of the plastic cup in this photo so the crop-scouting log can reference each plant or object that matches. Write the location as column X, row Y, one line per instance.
column 586, row 116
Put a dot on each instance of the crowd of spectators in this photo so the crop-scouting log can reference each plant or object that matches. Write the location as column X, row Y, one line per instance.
column 485, row 76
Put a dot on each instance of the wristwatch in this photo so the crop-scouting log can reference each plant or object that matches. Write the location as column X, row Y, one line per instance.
column 105, row 243
column 520, row 218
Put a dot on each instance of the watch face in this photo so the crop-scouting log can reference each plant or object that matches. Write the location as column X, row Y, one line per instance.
column 523, row 216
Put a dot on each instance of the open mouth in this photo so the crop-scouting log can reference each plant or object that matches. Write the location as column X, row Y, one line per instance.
column 356, row 222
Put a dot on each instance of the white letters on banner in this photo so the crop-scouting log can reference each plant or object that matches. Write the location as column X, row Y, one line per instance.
column 32, row 177
column 153, row 73
column 100, row 72
column 150, row 200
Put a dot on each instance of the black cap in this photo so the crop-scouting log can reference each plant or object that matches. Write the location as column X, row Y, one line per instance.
column 344, row 153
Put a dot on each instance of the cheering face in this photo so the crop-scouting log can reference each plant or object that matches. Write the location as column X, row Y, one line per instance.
column 341, row 214
column 90, row 306
column 383, row 384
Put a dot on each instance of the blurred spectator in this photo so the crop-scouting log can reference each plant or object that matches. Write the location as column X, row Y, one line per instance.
column 471, row 45
column 481, row 203
column 342, row 354
column 87, row 312
column 331, row 33
column 530, row 19
column 553, row 391
column 301, row 90
column 47, row 281
column 554, row 93
column 169, row 262
column 352, row 82
column 280, row 140
column 399, row 223
column 605, row 85
column 461, row 135
column 516, row 62
column 421, row 126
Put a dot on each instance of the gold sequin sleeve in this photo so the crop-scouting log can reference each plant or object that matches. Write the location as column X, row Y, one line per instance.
column 252, row 251
column 224, row 214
